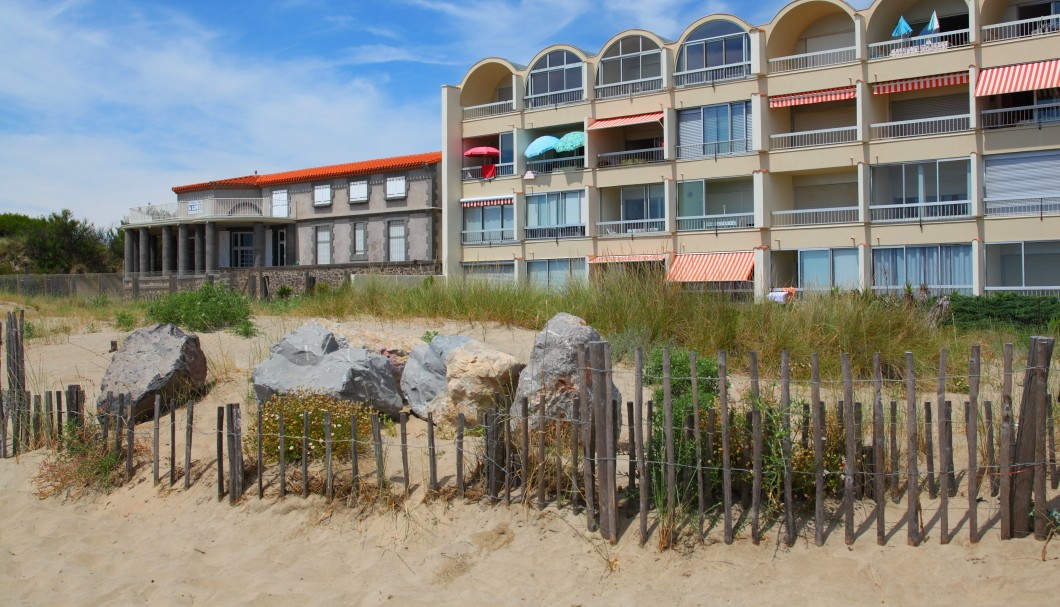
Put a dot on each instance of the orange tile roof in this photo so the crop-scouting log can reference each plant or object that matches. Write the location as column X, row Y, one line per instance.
column 334, row 171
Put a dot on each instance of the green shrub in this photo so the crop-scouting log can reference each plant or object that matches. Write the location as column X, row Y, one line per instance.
column 124, row 320
column 84, row 463
column 293, row 405
column 428, row 336
column 245, row 328
column 209, row 308
column 1004, row 309
column 284, row 292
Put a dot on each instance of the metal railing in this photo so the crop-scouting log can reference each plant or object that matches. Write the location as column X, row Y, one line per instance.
column 920, row 127
column 474, row 173
column 207, row 208
column 1024, row 28
column 710, row 75
column 1023, row 207
column 812, row 217
column 809, row 61
column 1031, row 115
column 803, row 139
column 630, row 227
column 488, row 236
column 628, row 89
column 900, row 290
column 489, row 109
column 728, row 221
column 557, row 164
column 553, row 99
column 553, row 232
column 924, row 211
column 1042, row 291
column 713, row 149
column 614, row 159
column 918, row 45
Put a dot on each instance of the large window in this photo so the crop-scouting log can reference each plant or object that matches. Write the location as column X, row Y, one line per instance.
column 933, row 189
column 714, row 130
column 718, row 50
column 555, row 215
column 279, row 203
column 494, row 223
column 643, row 202
column 397, row 241
column 359, row 246
column 498, row 272
column 322, row 195
column 1023, row 265
column 555, row 78
column 715, row 204
column 631, row 59
column 554, row 273
column 242, row 250
column 938, row 268
column 824, row 269
column 323, row 245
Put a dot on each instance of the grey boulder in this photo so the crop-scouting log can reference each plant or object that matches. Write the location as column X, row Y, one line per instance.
column 423, row 378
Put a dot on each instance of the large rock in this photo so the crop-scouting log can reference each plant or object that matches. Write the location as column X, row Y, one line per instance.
column 552, row 373
column 456, row 374
column 311, row 358
column 159, row 359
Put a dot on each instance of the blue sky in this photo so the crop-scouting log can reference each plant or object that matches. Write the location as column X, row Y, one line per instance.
column 107, row 104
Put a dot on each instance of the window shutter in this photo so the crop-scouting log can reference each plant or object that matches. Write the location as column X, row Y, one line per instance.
column 819, row 116
column 395, row 187
column 929, row 107
column 690, row 133
column 1018, row 176
column 359, row 191
column 825, row 195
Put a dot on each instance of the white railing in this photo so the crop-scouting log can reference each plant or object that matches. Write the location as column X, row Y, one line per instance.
column 1023, row 207
column 809, row 61
column 553, row 99
column 901, row 290
column 557, row 164
column 713, row 149
column 553, row 232
column 486, row 236
column 802, row 139
column 728, row 221
column 918, row 45
column 630, row 227
column 474, row 173
column 1020, row 116
column 207, row 208
column 628, row 89
column 921, row 127
column 614, row 159
column 924, row 211
column 489, row 109
column 1042, row 291
column 1024, row 28
column 813, row 217
column 710, row 75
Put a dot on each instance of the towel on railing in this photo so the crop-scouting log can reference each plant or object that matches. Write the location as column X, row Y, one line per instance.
column 489, row 171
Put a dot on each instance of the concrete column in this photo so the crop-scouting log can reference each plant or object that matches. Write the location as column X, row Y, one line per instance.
column 670, row 202
column 670, row 133
column 182, row 249
column 975, row 185
column 859, row 37
column 978, row 267
column 211, row 247
column 973, row 105
column 759, row 180
column 259, row 245
column 865, row 268
column 167, row 250
column 291, row 245
column 200, row 249
column 758, row 59
column 760, row 126
column 864, row 191
column 862, row 109
column 145, row 251
column 452, row 184
column 130, row 252
column 763, row 273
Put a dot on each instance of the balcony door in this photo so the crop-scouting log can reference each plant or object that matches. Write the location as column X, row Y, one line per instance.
column 242, row 249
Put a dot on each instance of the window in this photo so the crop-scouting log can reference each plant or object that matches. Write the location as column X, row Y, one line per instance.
column 823, row 269
column 396, row 241
column 360, row 239
column 939, row 268
column 715, row 197
column 359, row 191
column 718, row 50
column 395, row 187
column 643, row 202
column 506, row 145
column 242, row 250
column 322, row 195
column 1035, row 11
column 630, row 59
column 498, row 272
column 279, row 203
column 323, row 245
column 921, row 183
column 1023, row 265
column 556, row 72
column 554, row 273
column 714, row 130
column 494, row 223
column 555, row 215
column 279, row 247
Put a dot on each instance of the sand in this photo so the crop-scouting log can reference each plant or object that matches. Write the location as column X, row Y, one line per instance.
column 142, row 544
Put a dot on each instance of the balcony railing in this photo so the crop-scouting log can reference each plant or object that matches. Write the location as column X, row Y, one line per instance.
column 918, row 45
column 489, row 109
column 207, row 208
column 921, row 127
column 710, row 75
column 813, row 217
column 553, row 232
column 1023, row 207
column 629, row 89
column 899, row 291
column 728, row 221
column 488, row 236
column 570, row 163
column 713, row 149
column 1031, row 115
column 631, row 227
column 924, row 211
column 614, row 159
column 804, row 139
column 553, row 99
column 1042, row 291
column 809, row 61
column 1024, row 28
column 475, row 173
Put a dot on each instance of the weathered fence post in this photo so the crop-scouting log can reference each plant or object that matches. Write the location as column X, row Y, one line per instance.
column 188, row 427
column 973, row 445
column 403, row 419
column 701, row 505
column 355, row 473
column 756, row 446
column 726, row 447
column 638, row 396
column 879, row 488
column 460, row 421
column 305, row 453
column 432, row 463
column 785, row 411
column 154, row 455
column 220, row 453
column 818, row 449
column 329, row 487
column 913, row 492
column 283, row 457
column 848, row 463
column 1029, row 454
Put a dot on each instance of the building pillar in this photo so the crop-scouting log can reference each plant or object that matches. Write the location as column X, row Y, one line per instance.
column 259, row 244
column 130, row 253
column 200, row 249
column 670, row 133
column 759, row 64
column 759, row 180
column 978, row 267
column 973, row 101
column 864, row 192
column 760, row 126
column 182, row 249
column 763, row 273
column 862, row 109
column 211, row 247
column 145, row 251
column 975, row 185
column 859, row 37
column 291, row 245
column 670, row 202
column 865, row 268
column 167, row 250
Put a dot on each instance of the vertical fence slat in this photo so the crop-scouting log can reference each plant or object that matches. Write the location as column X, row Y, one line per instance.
column 848, row 462
column 756, row 450
column 460, row 421
column 991, row 455
column 879, row 487
column 575, row 436
column 283, row 457
column 1050, row 429
column 507, row 457
column 173, row 442
column 355, row 472
column 188, row 428
column 818, row 449
column 668, row 436
column 220, row 453
column 611, row 418
column 377, row 446
column 929, row 446
column 541, row 428
column 913, row 478
column 130, row 429
column 973, row 445
column 432, row 457
column 587, row 432
column 726, row 469
column 154, row 453
column 701, row 504
column 230, row 440
column 260, row 463
column 403, row 420
column 895, row 477
column 329, row 472
column 638, row 389
column 524, row 445
column 305, row 453
column 944, row 476
column 785, row 409
column 1041, row 399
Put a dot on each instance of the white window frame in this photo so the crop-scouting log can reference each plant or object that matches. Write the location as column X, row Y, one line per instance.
column 317, row 231
column 356, row 187
column 363, row 228
column 393, row 190
column 405, row 237
column 318, row 200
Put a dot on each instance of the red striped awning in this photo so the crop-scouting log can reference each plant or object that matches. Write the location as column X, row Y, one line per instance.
column 485, row 202
column 607, row 123
column 628, row 258
column 823, row 96
column 712, row 267
column 916, row 84
column 1018, row 78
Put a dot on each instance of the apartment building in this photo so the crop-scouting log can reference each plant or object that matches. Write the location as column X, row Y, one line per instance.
column 378, row 215
column 910, row 145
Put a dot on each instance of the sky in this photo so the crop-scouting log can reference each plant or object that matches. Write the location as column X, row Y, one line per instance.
column 107, row 104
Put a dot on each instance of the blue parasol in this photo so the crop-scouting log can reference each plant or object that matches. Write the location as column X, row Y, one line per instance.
column 541, row 145
column 571, row 141
column 902, row 29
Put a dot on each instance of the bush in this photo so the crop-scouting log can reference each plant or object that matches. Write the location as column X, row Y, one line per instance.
column 84, row 463
column 245, row 328
column 1006, row 309
column 208, row 308
column 293, row 405
column 124, row 320
column 284, row 292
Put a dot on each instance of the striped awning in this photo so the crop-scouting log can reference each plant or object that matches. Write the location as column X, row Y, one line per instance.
column 1018, row 78
column 823, row 96
column 712, row 267
column 628, row 258
column 486, row 202
column 608, row 123
column 916, row 84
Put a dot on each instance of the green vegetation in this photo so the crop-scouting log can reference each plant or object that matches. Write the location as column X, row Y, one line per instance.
column 293, row 405
column 84, row 463
column 245, row 329
column 57, row 244
column 124, row 320
column 209, row 308
column 1011, row 309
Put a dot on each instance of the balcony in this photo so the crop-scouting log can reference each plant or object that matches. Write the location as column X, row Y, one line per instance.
column 1025, row 28
column 544, row 100
column 632, row 227
column 629, row 89
column 555, row 165
column 815, row 217
column 805, row 139
column 489, row 109
column 554, row 232
column 1027, row 207
column 919, row 45
column 711, row 75
column 614, row 159
column 503, row 235
column 809, row 61
column 475, row 173
column 208, row 209
column 714, row 149
column 919, row 212
column 921, row 127
column 728, row 221
column 1032, row 115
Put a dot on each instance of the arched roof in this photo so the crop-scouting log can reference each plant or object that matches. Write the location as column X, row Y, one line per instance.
column 493, row 61
column 634, row 32
column 793, row 19
column 716, row 17
column 558, row 47
column 883, row 14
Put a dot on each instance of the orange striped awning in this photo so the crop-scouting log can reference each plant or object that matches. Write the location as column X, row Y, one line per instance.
column 608, row 123
column 823, row 96
column 712, row 267
column 916, row 84
column 485, row 202
column 628, row 258
column 1018, row 78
